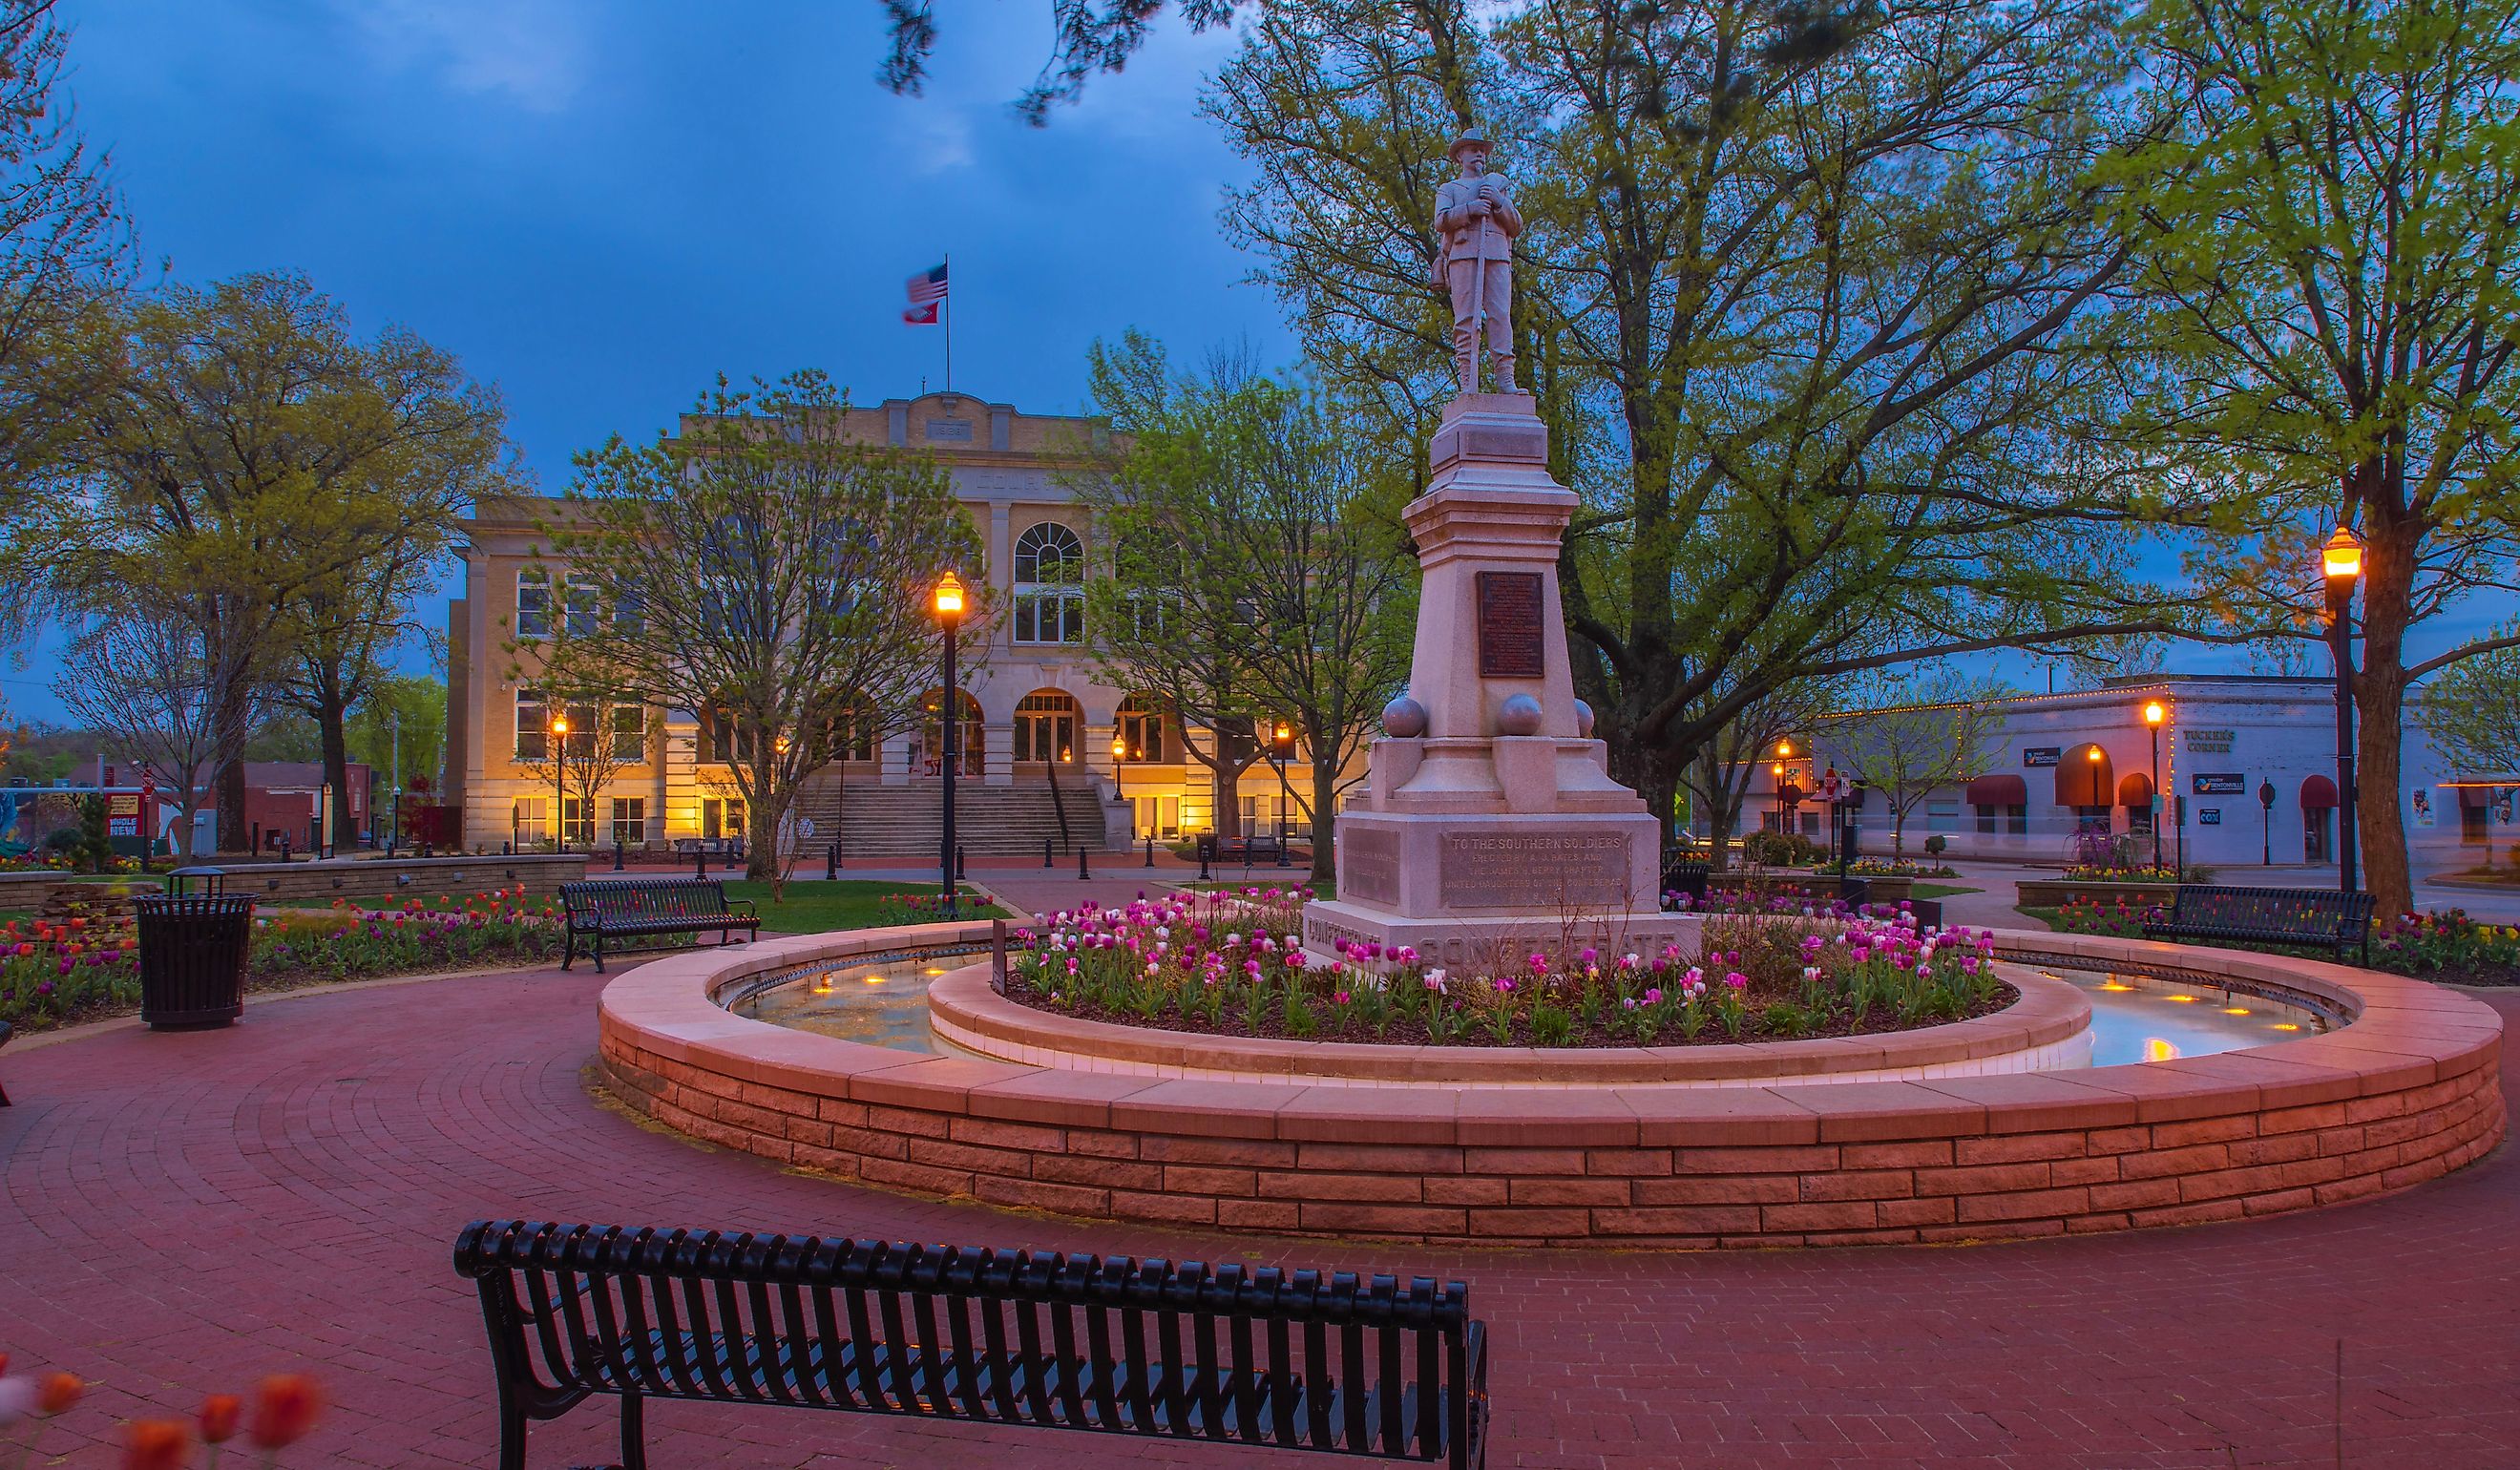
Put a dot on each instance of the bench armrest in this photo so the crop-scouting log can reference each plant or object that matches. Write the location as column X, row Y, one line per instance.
column 749, row 907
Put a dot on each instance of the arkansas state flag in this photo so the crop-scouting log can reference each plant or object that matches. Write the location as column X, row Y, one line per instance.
column 926, row 292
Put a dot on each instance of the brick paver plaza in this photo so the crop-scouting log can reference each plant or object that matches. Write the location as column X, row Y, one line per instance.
column 184, row 1211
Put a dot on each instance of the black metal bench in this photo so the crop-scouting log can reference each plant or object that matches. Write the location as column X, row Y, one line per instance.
column 627, row 908
column 2312, row 918
column 1224, row 1354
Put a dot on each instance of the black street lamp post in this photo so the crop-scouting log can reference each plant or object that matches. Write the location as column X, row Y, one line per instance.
column 560, row 781
column 1282, row 750
column 2266, row 823
column 949, row 616
column 2154, row 712
column 2343, row 565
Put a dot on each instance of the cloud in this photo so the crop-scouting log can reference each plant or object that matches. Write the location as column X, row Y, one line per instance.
column 533, row 52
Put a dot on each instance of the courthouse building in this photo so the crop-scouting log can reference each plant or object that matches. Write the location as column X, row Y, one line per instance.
column 1037, row 729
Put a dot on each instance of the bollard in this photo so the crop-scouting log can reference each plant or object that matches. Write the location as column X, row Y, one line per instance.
column 962, row 862
column 1045, row 852
column 1150, row 849
column 700, row 862
column 616, row 856
column 283, row 846
column 1082, row 870
column 832, row 861
column 1282, row 850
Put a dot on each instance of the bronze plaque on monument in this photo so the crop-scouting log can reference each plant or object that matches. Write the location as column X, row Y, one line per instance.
column 1510, row 625
column 1538, row 871
column 1369, row 863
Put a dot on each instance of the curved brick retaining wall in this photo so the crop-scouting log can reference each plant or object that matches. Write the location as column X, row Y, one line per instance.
column 2403, row 1092
column 2047, row 1026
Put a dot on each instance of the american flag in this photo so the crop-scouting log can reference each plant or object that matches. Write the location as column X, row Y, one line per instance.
column 926, row 292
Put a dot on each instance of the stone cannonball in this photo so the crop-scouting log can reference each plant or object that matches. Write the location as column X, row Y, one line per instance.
column 1583, row 718
column 1520, row 715
column 1404, row 718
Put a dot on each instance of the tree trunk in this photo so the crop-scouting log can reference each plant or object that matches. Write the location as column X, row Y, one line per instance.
column 330, row 722
column 233, row 707
column 2379, row 697
column 1226, row 793
column 769, row 810
column 1325, row 873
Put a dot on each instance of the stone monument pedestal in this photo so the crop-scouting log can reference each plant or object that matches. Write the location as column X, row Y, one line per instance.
column 1488, row 821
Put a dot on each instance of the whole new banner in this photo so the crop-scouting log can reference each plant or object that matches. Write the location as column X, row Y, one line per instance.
column 2218, row 784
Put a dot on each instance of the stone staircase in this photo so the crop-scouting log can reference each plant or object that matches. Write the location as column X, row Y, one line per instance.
column 876, row 820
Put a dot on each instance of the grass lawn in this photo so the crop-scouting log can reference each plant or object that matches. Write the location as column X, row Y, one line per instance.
column 1939, row 890
column 814, row 905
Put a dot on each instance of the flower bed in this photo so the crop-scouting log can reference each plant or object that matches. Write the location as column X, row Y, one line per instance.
column 1231, row 963
column 2446, row 945
column 53, row 974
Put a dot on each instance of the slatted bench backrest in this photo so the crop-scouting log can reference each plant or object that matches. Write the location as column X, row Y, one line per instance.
column 1192, row 1351
column 645, row 898
column 2272, row 910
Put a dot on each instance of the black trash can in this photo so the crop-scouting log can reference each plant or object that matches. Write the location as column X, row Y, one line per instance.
column 193, row 947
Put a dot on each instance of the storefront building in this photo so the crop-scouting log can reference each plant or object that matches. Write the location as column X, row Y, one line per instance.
column 2245, row 765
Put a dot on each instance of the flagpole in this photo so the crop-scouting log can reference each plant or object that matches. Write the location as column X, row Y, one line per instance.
column 949, row 323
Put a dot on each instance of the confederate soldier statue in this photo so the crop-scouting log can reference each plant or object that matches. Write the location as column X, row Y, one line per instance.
column 1475, row 223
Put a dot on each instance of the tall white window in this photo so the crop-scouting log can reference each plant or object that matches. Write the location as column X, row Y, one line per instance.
column 583, row 606
column 629, row 731
column 533, row 603
column 629, row 820
column 1050, row 585
column 533, row 726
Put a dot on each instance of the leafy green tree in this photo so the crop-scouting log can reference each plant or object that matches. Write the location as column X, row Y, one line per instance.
column 2471, row 710
column 1805, row 308
column 67, row 254
column 251, row 459
column 1920, row 737
column 2336, row 223
column 405, row 713
column 148, row 680
column 1261, row 565
column 765, row 572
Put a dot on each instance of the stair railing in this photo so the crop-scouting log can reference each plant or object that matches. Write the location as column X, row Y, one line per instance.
column 1058, row 804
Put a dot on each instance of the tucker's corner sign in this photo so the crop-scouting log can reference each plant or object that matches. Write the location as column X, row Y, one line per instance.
column 2208, row 742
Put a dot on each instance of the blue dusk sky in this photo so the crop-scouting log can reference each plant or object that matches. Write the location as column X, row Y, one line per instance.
column 600, row 206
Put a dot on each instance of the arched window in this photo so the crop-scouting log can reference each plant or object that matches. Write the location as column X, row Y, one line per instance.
column 1046, row 723
column 1050, row 553
column 1050, row 585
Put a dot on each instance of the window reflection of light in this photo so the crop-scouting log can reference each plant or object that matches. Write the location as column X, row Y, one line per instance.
column 936, row 969
column 2286, row 1026
column 874, row 979
column 2155, row 1049
column 2115, row 984
column 2185, row 1000
column 2235, row 1010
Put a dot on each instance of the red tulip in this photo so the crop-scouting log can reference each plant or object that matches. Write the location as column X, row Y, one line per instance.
column 57, row 1392
column 284, row 1407
column 220, row 1413
column 158, row 1445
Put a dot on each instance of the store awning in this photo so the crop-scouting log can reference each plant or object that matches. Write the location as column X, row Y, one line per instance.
column 2004, row 789
column 2135, row 792
column 2317, row 793
column 2084, row 778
